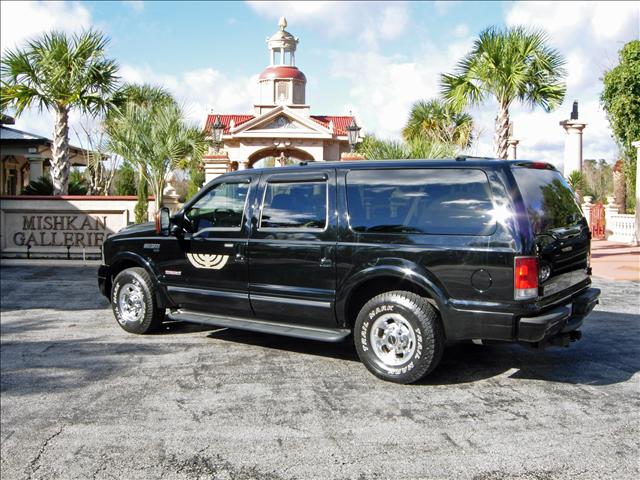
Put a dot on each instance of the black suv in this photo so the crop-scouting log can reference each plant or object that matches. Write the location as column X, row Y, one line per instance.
column 404, row 255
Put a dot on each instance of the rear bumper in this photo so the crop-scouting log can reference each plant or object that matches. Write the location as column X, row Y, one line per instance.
column 563, row 319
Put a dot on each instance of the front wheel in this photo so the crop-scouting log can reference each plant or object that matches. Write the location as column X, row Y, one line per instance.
column 398, row 336
column 134, row 303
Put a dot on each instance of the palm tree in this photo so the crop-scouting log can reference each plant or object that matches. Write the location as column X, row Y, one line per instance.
column 59, row 73
column 373, row 148
column 438, row 121
column 155, row 138
column 512, row 64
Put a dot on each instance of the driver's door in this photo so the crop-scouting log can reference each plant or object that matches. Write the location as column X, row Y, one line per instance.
column 211, row 269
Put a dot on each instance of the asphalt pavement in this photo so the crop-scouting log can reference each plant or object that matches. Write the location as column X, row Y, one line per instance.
column 82, row 399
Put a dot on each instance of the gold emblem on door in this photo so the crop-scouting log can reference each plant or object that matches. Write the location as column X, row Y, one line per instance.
column 201, row 260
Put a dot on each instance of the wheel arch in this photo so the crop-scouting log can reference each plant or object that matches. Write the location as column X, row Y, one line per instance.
column 125, row 260
column 374, row 281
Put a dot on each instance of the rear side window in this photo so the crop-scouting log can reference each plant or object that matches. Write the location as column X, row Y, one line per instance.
column 431, row 201
column 301, row 205
column 549, row 200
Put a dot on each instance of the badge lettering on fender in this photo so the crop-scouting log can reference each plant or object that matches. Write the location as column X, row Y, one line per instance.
column 213, row 262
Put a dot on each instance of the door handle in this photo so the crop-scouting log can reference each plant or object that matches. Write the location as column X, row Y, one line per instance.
column 240, row 253
column 325, row 256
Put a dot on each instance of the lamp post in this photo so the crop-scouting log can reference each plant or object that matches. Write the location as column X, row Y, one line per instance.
column 353, row 130
column 217, row 129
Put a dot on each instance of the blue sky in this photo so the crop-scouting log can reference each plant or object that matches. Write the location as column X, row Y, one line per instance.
column 374, row 59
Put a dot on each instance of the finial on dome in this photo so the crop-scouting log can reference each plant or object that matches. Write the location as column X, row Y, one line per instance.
column 282, row 23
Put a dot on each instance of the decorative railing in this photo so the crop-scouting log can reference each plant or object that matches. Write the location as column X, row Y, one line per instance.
column 621, row 228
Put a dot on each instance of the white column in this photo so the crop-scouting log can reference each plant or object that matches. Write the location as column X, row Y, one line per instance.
column 572, row 146
column 512, row 149
column 637, row 145
column 35, row 168
column 293, row 58
column 273, row 57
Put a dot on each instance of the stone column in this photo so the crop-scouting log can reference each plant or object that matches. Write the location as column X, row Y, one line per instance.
column 512, row 149
column 586, row 208
column 637, row 145
column 572, row 146
column 215, row 165
column 170, row 198
column 35, row 168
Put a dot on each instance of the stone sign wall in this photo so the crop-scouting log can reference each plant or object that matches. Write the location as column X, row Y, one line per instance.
column 57, row 226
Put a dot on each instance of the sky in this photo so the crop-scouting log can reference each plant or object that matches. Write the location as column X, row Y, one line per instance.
column 370, row 58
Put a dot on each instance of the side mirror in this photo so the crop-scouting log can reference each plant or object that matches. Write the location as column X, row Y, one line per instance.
column 163, row 221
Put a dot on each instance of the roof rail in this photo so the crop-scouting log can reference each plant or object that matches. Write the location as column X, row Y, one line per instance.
column 462, row 158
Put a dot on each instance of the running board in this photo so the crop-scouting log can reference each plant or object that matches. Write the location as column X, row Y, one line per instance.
column 263, row 326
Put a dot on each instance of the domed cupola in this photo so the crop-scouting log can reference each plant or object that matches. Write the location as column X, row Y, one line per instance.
column 281, row 83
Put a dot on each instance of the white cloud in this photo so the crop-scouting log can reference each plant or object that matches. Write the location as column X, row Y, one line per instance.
column 373, row 20
column 200, row 91
column 20, row 21
column 136, row 5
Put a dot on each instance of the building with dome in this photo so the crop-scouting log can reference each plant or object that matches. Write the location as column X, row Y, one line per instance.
column 281, row 129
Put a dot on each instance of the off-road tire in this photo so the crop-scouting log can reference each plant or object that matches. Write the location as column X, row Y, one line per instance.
column 138, row 281
column 410, row 312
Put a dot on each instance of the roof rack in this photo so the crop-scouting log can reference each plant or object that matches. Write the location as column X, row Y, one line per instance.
column 462, row 158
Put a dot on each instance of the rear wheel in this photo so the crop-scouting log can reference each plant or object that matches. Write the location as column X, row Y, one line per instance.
column 134, row 303
column 398, row 336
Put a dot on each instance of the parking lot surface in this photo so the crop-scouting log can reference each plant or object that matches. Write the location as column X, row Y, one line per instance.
column 81, row 398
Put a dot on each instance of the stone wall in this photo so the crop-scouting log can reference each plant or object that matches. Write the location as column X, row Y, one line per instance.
column 50, row 227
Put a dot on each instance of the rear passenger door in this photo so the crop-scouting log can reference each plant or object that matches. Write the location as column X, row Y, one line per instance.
column 292, row 249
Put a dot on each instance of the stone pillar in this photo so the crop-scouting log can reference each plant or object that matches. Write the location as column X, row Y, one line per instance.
column 512, row 149
column 586, row 208
column 637, row 145
column 215, row 165
column 572, row 146
column 35, row 168
column 170, row 198
column 350, row 156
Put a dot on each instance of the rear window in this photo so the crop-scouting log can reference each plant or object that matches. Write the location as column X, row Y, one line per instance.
column 295, row 205
column 549, row 200
column 431, row 201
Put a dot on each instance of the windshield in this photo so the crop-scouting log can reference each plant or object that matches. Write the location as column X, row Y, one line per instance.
column 548, row 198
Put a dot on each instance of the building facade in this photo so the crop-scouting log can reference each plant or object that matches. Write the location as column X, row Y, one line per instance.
column 281, row 129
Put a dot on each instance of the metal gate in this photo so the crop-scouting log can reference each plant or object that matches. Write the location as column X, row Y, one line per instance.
column 596, row 221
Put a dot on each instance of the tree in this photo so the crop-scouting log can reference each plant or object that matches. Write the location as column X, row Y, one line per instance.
column 156, row 139
column 125, row 180
column 621, row 100
column 437, row 121
column 512, row 64
column 59, row 72
column 373, row 148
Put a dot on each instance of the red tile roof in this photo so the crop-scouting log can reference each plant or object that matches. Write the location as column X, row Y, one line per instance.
column 282, row 71
column 226, row 120
column 340, row 122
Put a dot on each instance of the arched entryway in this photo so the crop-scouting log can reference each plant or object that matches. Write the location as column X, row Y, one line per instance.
column 271, row 157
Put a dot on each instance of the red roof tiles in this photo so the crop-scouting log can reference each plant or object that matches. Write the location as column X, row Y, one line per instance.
column 340, row 122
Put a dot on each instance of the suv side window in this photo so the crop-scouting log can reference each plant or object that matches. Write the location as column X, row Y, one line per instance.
column 431, row 201
column 221, row 208
column 294, row 205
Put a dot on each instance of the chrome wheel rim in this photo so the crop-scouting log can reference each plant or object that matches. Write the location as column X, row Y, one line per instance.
column 392, row 339
column 131, row 303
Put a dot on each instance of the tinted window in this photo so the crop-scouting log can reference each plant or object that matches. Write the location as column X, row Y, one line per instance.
column 437, row 201
column 549, row 200
column 221, row 207
column 295, row 205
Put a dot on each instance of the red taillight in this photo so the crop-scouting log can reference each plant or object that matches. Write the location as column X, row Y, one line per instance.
column 157, row 222
column 525, row 278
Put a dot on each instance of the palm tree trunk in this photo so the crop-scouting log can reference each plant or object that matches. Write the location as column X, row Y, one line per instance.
column 60, row 153
column 502, row 131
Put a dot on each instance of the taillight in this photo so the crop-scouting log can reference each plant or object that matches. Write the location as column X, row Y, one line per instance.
column 157, row 218
column 525, row 278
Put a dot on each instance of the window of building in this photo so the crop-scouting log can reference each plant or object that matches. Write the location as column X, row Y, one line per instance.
column 295, row 205
column 282, row 91
column 222, row 208
column 428, row 201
